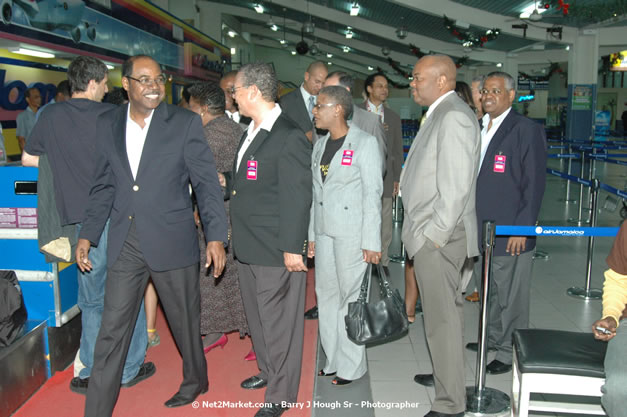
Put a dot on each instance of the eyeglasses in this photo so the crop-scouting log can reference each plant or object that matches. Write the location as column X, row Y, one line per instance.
column 233, row 89
column 146, row 81
column 495, row 91
column 318, row 106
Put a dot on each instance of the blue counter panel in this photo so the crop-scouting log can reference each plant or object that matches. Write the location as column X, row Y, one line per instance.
column 8, row 176
column 22, row 254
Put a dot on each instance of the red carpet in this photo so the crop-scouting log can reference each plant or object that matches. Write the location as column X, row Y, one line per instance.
column 227, row 369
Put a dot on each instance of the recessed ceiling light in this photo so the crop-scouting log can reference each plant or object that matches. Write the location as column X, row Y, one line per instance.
column 354, row 9
column 282, row 41
column 32, row 52
column 274, row 28
column 370, row 68
column 293, row 52
column 329, row 63
column 349, row 33
column 258, row 8
column 568, row 47
column 499, row 64
column 346, row 49
column 231, row 33
column 329, row 55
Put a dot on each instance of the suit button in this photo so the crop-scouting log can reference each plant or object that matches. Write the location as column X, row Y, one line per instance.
column 135, row 187
column 234, row 192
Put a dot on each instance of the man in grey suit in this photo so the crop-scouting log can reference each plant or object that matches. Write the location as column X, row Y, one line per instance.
column 376, row 86
column 440, row 225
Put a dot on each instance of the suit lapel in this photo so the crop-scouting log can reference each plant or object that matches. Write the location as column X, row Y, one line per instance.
column 261, row 136
column 497, row 139
column 335, row 165
column 119, row 137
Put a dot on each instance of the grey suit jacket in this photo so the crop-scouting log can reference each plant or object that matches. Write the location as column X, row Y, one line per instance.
column 439, row 179
column 348, row 202
column 393, row 138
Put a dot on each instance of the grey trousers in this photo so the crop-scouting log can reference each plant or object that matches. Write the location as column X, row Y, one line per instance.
column 340, row 270
column 615, row 387
column 179, row 294
column 274, row 303
column 508, row 301
column 387, row 227
column 438, row 272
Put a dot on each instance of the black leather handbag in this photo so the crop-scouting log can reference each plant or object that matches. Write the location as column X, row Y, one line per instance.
column 380, row 321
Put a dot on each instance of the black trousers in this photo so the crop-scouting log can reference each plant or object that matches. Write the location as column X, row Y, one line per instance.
column 179, row 293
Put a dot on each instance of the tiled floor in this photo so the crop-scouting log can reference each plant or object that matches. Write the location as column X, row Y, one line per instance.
column 392, row 366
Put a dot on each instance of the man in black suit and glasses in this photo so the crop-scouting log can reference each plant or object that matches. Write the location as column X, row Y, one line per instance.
column 270, row 205
column 148, row 152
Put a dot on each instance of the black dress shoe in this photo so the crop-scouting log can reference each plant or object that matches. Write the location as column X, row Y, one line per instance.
column 474, row 347
column 437, row 414
column 312, row 313
column 147, row 370
column 274, row 411
column 424, row 379
column 179, row 399
column 79, row 385
column 497, row 367
column 254, row 382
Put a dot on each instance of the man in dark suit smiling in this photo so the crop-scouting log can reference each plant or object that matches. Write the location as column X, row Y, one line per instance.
column 147, row 154
column 510, row 187
column 270, row 205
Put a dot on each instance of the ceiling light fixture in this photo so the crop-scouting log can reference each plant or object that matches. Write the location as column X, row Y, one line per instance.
column 110, row 67
column 233, row 51
column 354, row 9
column 385, row 51
column 532, row 12
column 293, row 52
column 308, row 27
column 31, row 52
column 231, row 33
column 370, row 68
column 329, row 55
column 499, row 65
column 329, row 63
column 314, row 50
column 401, row 32
column 349, row 33
column 274, row 28
column 346, row 49
column 258, row 8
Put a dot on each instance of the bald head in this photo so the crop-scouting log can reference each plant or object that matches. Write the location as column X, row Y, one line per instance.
column 314, row 77
column 434, row 76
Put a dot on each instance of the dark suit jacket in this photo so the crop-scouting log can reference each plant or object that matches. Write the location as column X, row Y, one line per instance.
column 394, row 145
column 512, row 197
column 293, row 105
column 270, row 215
column 175, row 153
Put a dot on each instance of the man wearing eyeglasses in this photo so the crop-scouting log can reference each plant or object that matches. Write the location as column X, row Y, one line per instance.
column 66, row 134
column 510, row 187
column 146, row 156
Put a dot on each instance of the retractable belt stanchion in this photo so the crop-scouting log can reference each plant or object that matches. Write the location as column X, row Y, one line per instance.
column 567, row 199
column 579, row 221
column 588, row 293
column 398, row 214
column 479, row 398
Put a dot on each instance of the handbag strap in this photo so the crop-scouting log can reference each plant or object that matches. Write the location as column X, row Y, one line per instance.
column 384, row 284
column 365, row 285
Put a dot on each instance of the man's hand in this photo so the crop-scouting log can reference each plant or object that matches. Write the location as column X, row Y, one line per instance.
column 608, row 323
column 82, row 255
column 515, row 245
column 196, row 218
column 221, row 179
column 294, row 262
column 216, row 256
column 397, row 186
column 371, row 257
column 309, row 135
column 311, row 249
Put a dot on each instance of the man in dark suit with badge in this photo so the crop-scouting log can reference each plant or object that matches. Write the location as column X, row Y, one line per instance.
column 510, row 187
column 270, row 205
column 146, row 156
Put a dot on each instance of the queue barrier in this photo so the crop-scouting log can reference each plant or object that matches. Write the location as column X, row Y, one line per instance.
column 479, row 398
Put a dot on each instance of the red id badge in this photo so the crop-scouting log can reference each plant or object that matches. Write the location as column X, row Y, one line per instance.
column 347, row 157
column 251, row 170
column 499, row 163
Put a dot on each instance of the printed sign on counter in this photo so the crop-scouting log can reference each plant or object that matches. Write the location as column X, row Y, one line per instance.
column 18, row 218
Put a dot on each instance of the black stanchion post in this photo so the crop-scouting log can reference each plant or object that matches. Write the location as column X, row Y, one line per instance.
column 398, row 214
column 479, row 399
column 582, row 172
column 588, row 293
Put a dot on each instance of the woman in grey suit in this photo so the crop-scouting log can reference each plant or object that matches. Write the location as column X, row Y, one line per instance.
column 345, row 225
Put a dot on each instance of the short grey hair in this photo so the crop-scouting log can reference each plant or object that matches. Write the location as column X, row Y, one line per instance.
column 479, row 79
column 262, row 76
column 510, row 84
column 340, row 96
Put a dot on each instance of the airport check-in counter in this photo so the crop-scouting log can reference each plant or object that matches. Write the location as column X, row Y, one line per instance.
column 50, row 290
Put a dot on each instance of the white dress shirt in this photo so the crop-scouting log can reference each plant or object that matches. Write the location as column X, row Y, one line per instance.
column 435, row 103
column 487, row 135
column 376, row 109
column 135, row 138
column 251, row 132
column 233, row 116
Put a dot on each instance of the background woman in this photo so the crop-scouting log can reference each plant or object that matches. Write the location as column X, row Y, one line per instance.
column 345, row 226
column 221, row 309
